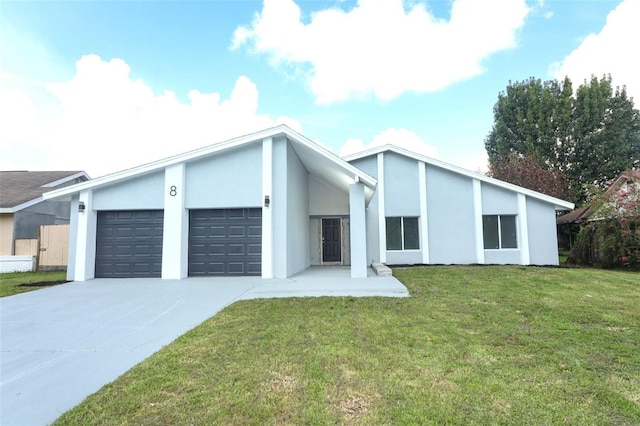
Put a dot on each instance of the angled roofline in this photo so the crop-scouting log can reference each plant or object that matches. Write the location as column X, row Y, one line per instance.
column 358, row 175
column 41, row 198
column 558, row 203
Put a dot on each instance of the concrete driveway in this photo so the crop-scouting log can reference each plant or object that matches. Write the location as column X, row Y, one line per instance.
column 60, row 344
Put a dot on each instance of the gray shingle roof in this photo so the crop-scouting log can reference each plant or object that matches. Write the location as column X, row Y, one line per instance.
column 19, row 187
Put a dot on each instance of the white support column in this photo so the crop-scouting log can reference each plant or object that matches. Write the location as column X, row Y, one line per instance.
column 267, row 215
column 86, row 239
column 382, row 226
column 424, row 223
column 477, row 216
column 358, row 231
column 524, row 230
column 175, row 237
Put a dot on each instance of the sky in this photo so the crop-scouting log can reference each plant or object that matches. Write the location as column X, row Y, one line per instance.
column 103, row 86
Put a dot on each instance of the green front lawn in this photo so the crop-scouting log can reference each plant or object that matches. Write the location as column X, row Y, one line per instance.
column 473, row 345
column 20, row 282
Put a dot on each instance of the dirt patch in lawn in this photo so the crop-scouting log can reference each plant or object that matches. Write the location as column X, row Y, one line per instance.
column 42, row 284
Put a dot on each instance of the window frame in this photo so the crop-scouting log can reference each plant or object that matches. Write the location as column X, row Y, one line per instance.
column 499, row 232
column 403, row 238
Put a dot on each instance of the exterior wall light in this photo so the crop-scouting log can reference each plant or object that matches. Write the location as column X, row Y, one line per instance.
column 267, row 201
column 81, row 207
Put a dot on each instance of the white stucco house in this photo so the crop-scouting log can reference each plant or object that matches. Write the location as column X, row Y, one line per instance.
column 273, row 203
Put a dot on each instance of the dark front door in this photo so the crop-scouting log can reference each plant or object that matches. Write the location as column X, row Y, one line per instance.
column 331, row 240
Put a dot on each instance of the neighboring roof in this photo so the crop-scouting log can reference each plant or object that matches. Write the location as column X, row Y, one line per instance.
column 624, row 177
column 317, row 160
column 578, row 215
column 582, row 214
column 21, row 189
column 558, row 203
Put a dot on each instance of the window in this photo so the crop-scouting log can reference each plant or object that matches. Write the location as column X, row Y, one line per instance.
column 499, row 232
column 402, row 233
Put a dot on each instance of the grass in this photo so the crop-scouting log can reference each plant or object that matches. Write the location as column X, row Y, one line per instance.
column 472, row 346
column 14, row 283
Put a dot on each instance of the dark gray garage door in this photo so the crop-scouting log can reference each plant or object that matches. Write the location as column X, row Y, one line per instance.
column 129, row 244
column 225, row 242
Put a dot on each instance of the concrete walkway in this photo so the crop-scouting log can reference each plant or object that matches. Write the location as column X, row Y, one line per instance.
column 59, row 345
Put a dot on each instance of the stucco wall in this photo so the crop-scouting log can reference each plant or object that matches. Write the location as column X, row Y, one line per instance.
column 543, row 238
column 228, row 180
column 369, row 165
column 298, row 256
column 401, row 192
column 6, row 234
column 325, row 200
column 141, row 193
column 450, row 217
column 73, row 238
column 279, row 208
column 496, row 200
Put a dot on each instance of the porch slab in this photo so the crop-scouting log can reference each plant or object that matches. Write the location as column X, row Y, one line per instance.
column 319, row 281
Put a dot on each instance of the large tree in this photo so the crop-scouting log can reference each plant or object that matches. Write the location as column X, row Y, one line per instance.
column 590, row 136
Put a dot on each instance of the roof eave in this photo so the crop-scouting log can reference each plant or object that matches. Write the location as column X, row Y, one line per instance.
column 559, row 205
column 357, row 174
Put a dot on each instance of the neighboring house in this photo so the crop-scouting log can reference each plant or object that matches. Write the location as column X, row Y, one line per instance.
column 273, row 203
column 569, row 224
column 23, row 209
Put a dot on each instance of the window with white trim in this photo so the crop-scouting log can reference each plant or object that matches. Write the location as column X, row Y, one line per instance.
column 499, row 232
column 402, row 233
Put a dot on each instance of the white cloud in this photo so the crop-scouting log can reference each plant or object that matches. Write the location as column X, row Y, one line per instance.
column 399, row 137
column 611, row 51
column 475, row 161
column 383, row 48
column 102, row 121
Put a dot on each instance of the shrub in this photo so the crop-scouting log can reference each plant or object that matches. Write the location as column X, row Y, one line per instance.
column 612, row 238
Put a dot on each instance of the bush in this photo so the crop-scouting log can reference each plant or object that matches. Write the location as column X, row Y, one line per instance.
column 608, row 243
column 612, row 238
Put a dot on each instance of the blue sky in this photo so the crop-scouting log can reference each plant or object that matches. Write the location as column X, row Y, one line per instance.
column 106, row 85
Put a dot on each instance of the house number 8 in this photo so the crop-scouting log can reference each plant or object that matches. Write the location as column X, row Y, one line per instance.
column 173, row 191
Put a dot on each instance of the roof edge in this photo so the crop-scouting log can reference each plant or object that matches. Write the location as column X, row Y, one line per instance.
column 66, row 179
column 281, row 129
column 558, row 203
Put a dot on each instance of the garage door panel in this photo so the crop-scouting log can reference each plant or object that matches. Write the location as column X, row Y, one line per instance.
column 225, row 242
column 129, row 244
column 238, row 231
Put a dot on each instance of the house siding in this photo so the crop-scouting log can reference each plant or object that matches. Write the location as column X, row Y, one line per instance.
column 279, row 208
column 498, row 201
column 325, row 200
column 450, row 217
column 141, row 193
column 543, row 243
column 228, row 180
column 401, row 191
column 298, row 256
column 73, row 239
column 370, row 166
column 6, row 234
column 27, row 222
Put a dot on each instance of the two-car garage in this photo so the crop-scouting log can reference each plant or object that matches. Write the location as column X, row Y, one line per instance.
column 222, row 242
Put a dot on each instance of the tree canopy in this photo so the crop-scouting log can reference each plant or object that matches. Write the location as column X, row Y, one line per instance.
column 589, row 136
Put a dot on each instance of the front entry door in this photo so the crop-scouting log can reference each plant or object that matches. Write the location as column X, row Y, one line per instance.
column 331, row 240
